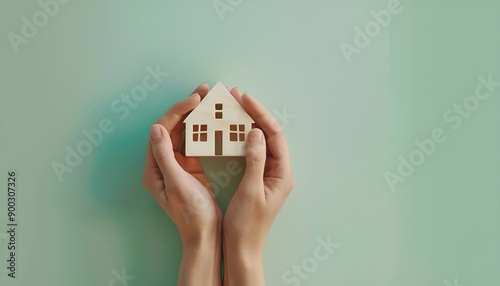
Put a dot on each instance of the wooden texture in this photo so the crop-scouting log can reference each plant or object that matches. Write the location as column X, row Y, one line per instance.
column 217, row 114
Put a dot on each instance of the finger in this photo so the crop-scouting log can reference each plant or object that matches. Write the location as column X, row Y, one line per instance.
column 174, row 115
column 202, row 90
column 176, row 132
column 273, row 130
column 152, row 179
column 255, row 152
column 235, row 92
column 191, row 165
column 164, row 156
column 177, row 135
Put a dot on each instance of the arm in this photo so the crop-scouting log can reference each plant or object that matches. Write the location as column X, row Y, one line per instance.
column 181, row 188
column 201, row 263
column 267, row 182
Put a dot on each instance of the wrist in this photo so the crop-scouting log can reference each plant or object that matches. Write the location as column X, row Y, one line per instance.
column 199, row 240
column 201, row 262
column 243, row 265
column 202, row 246
column 200, row 249
column 244, row 249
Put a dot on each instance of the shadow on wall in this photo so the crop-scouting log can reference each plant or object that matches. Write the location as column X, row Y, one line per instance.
column 153, row 247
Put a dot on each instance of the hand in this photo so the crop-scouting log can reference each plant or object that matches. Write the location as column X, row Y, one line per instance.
column 181, row 188
column 267, row 182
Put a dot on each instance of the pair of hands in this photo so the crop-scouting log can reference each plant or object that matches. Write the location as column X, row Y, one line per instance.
column 182, row 189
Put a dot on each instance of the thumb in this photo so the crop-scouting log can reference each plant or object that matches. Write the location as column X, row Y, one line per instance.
column 163, row 152
column 255, row 151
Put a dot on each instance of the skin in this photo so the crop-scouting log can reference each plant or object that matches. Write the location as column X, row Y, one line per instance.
column 181, row 188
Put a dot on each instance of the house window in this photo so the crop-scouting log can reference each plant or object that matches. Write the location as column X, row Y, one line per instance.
column 200, row 132
column 237, row 132
column 218, row 113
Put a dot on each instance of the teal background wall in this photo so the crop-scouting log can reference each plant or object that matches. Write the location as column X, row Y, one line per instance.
column 347, row 123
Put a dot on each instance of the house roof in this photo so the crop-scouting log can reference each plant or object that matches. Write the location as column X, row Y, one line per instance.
column 232, row 110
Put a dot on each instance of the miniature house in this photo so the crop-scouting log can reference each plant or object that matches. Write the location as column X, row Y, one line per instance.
column 218, row 126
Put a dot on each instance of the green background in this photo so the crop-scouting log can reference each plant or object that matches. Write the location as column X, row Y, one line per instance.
column 350, row 123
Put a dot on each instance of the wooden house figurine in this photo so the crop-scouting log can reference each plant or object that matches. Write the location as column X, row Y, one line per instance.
column 218, row 126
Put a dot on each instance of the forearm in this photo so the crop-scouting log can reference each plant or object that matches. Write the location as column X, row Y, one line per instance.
column 201, row 264
column 242, row 268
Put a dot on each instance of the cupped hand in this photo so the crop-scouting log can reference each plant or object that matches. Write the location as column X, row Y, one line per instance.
column 181, row 188
column 266, row 184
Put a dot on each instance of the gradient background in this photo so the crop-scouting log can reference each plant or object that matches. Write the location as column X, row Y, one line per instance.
column 351, row 122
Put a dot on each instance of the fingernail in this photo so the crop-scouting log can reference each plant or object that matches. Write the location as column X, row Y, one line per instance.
column 155, row 132
column 194, row 94
column 255, row 136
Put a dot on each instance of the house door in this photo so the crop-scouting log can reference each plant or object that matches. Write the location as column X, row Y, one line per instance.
column 218, row 142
